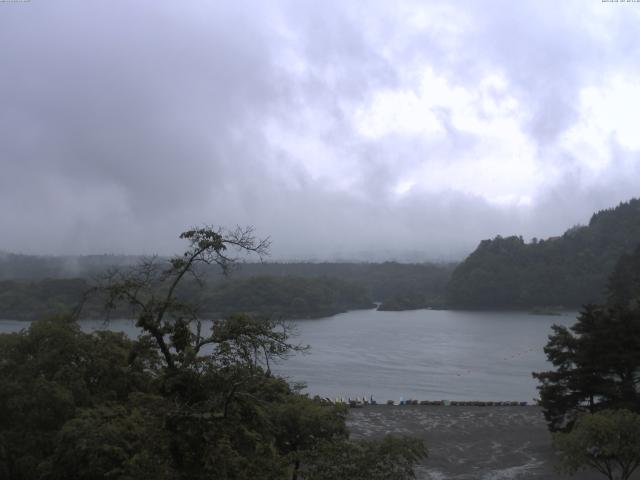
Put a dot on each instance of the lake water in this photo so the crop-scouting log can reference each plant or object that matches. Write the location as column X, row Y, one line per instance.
column 419, row 354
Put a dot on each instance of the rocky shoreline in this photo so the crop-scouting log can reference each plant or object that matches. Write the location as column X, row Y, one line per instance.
column 469, row 442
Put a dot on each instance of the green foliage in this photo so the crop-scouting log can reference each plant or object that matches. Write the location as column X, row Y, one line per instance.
column 75, row 405
column 624, row 283
column 49, row 375
column 607, row 441
column 175, row 403
column 287, row 290
column 278, row 296
column 398, row 285
column 567, row 271
column 391, row 458
column 29, row 300
column 596, row 364
column 110, row 441
column 597, row 360
column 286, row 297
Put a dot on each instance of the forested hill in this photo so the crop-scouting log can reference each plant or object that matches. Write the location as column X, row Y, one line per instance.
column 33, row 287
column 566, row 271
column 278, row 297
column 398, row 286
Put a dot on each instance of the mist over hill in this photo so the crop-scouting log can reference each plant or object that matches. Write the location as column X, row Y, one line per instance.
column 32, row 287
column 506, row 272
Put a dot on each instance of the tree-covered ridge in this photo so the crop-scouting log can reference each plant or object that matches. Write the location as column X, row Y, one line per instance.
column 411, row 285
column 285, row 297
column 290, row 290
column 565, row 271
column 30, row 300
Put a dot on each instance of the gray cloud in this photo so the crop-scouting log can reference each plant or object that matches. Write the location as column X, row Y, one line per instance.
column 124, row 123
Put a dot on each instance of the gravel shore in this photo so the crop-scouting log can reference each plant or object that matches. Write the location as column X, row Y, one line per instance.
column 469, row 443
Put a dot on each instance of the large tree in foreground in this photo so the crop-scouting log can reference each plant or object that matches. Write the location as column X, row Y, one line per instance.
column 597, row 360
column 151, row 289
column 181, row 401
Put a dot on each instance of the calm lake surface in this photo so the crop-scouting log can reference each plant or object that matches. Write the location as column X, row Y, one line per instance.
column 419, row 354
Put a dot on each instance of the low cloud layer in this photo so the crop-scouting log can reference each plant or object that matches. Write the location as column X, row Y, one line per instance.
column 353, row 130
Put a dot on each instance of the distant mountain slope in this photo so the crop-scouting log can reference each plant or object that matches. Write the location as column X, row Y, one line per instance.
column 565, row 271
column 396, row 285
column 281, row 297
column 284, row 296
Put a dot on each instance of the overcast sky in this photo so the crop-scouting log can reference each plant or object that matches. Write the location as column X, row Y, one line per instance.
column 355, row 130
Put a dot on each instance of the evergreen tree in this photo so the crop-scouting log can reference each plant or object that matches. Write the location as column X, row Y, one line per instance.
column 597, row 360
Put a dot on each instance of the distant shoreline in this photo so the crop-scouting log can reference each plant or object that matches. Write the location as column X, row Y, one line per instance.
column 318, row 315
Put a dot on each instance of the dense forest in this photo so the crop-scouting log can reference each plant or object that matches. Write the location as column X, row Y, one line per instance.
column 282, row 297
column 394, row 285
column 565, row 271
column 285, row 296
column 36, row 286
column 178, row 402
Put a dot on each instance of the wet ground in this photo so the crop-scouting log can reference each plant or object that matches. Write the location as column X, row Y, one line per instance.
column 469, row 443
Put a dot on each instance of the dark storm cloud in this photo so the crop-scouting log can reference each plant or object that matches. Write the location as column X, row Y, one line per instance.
column 127, row 101
column 124, row 122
